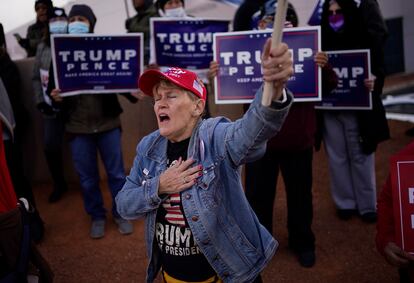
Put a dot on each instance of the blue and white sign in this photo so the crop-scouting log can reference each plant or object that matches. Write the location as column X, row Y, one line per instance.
column 185, row 43
column 352, row 68
column 97, row 63
column 239, row 57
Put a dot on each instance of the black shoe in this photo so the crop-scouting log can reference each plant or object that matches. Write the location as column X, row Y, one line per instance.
column 369, row 217
column 306, row 259
column 345, row 214
column 57, row 194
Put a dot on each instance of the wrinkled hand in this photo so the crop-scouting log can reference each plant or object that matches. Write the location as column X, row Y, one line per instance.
column 370, row 82
column 277, row 66
column 179, row 177
column 321, row 58
column 213, row 70
column 396, row 256
column 138, row 95
column 55, row 94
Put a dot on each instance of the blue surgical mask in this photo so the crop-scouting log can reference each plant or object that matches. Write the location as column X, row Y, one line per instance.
column 58, row 27
column 175, row 13
column 78, row 28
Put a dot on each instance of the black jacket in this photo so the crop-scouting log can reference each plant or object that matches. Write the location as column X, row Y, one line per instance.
column 364, row 29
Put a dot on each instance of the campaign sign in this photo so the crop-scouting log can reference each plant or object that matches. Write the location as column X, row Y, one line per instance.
column 185, row 43
column 352, row 67
column 97, row 63
column 402, row 178
column 239, row 57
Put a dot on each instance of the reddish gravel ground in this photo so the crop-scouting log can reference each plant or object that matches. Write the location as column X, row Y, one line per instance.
column 345, row 250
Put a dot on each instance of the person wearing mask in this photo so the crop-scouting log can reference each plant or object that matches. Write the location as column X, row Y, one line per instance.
column 36, row 31
column 351, row 137
column 171, row 8
column 175, row 9
column 186, row 182
column 93, row 125
column 53, row 125
column 140, row 22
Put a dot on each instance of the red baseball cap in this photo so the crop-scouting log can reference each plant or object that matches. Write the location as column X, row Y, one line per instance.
column 180, row 77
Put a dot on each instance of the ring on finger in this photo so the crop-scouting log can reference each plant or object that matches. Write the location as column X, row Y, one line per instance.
column 184, row 180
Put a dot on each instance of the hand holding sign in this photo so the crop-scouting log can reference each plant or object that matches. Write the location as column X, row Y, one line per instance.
column 396, row 256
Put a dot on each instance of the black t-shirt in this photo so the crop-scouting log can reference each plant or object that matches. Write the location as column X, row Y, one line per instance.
column 180, row 256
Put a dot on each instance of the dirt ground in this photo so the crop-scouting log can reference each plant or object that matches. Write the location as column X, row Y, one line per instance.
column 345, row 250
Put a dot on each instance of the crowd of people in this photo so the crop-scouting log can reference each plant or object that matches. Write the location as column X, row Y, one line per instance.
column 202, row 225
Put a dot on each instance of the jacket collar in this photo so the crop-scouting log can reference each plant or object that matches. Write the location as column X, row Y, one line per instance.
column 158, row 149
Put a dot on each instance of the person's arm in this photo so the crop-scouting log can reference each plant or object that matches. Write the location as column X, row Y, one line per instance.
column 39, row 99
column 139, row 194
column 245, row 139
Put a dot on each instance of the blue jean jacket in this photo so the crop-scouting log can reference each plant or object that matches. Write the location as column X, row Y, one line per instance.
column 224, row 225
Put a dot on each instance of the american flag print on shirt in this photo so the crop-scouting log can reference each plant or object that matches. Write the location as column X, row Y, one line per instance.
column 172, row 206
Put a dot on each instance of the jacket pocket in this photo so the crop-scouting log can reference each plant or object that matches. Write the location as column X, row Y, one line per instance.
column 208, row 187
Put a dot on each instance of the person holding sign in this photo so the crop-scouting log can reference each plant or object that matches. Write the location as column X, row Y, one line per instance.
column 386, row 236
column 291, row 153
column 53, row 124
column 350, row 136
column 186, row 181
column 93, row 124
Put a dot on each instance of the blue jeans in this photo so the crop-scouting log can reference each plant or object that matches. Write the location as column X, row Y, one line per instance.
column 84, row 153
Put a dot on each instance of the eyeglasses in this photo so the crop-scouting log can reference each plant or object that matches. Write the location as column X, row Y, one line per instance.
column 334, row 12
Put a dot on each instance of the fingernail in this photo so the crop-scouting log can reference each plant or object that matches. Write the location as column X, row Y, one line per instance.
column 200, row 173
column 200, row 167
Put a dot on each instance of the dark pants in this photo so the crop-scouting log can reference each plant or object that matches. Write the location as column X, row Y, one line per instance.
column 261, row 180
column 10, row 240
column 14, row 158
column 54, row 129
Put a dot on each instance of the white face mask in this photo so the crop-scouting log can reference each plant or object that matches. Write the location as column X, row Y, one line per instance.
column 175, row 13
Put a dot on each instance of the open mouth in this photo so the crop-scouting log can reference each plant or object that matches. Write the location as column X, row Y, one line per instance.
column 163, row 118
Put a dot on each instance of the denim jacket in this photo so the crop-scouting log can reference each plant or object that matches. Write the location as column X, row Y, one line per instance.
column 224, row 225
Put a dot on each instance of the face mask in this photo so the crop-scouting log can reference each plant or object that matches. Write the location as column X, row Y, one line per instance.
column 175, row 13
column 336, row 22
column 58, row 27
column 78, row 28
